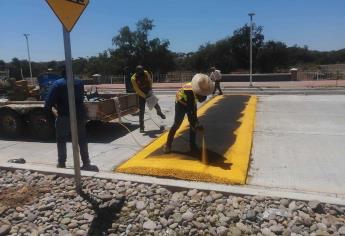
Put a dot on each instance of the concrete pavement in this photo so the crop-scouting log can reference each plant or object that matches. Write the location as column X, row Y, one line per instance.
column 110, row 144
column 297, row 152
column 299, row 143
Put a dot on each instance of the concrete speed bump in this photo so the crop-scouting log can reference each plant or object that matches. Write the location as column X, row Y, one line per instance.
column 229, row 124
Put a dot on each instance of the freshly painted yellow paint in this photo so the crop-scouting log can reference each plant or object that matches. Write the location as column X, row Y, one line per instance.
column 183, row 167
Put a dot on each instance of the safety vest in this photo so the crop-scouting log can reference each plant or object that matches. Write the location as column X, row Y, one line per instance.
column 142, row 85
column 181, row 96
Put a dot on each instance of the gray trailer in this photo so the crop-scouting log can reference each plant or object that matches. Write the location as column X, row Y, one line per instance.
column 15, row 116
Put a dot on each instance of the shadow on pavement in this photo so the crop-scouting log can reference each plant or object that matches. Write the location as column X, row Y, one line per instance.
column 220, row 123
column 97, row 132
column 154, row 133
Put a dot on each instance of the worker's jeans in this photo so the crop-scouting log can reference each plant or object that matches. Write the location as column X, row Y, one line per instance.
column 217, row 86
column 63, row 131
column 142, row 102
column 180, row 111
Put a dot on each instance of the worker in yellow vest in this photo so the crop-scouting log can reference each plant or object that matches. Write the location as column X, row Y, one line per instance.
column 186, row 103
column 142, row 84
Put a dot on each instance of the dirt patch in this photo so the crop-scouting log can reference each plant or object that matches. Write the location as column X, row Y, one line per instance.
column 19, row 196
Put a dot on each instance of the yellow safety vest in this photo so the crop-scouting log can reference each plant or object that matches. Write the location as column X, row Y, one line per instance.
column 143, row 85
column 181, row 96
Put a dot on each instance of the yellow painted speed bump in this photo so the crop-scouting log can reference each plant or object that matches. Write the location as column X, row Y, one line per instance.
column 228, row 122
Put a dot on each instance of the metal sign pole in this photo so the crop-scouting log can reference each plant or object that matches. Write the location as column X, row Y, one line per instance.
column 72, row 109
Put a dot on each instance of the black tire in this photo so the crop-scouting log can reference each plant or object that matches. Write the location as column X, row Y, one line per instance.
column 41, row 124
column 11, row 123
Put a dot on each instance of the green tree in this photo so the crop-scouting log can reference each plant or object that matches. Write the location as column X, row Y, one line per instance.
column 272, row 57
column 230, row 53
column 135, row 47
column 240, row 45
column 80, row 66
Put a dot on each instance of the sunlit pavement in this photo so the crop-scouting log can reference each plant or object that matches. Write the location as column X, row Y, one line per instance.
column 297, row 152
column 299, row 143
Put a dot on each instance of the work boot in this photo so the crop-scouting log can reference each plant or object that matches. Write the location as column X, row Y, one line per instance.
column 61, row 165
column 89, row 167
column 161, row 115
column 167, row 149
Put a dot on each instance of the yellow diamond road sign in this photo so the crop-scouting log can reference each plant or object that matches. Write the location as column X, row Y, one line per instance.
column 68, row 11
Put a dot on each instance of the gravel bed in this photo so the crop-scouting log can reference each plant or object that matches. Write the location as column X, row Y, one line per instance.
column 35, row 204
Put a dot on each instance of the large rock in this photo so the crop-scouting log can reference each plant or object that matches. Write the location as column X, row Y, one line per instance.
column 272, row 213
column 285, row 202
column 277, row 229
column 2, row 209
column 260, row 198
column 192, row 193
column 215, row 195
column 140, row 205
column 267, row 232
column 168, row 210
column 150, row 225
column 187, row 216
column 5, row 229
column 65, row 221
column 341, row 230
column 234, row 231
column 221, row 230
column 163, row 221
column 177, row 217
column 251, row 215
column 316, row 206
column 177, row 197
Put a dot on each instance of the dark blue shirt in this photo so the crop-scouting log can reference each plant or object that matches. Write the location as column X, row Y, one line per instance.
column 58, row 97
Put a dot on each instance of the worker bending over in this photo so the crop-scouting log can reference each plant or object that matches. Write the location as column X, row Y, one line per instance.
column 186, row 103
column 142, row 84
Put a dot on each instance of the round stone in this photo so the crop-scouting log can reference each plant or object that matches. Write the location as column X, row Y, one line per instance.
column 150, row 225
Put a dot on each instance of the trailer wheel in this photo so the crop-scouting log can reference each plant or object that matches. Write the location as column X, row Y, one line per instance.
column 41, row 124
column 11, row 123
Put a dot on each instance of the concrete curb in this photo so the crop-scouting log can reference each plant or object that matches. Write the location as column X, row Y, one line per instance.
column 182, row 184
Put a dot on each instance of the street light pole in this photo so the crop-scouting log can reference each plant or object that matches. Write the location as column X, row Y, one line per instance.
column 27, row 45
column 251, row 49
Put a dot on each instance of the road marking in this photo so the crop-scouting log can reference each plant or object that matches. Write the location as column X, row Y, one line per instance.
column 230, row 158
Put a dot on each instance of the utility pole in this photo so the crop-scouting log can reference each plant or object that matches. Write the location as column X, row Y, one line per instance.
column 27, row 45
column 251, row 50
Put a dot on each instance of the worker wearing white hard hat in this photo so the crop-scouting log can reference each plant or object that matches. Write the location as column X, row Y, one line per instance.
column 186, row 103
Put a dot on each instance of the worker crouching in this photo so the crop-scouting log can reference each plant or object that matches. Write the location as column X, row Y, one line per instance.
column 186, row 103
column 142, row 84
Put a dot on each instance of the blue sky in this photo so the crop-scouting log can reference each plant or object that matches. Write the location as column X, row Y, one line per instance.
column 320, row 24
